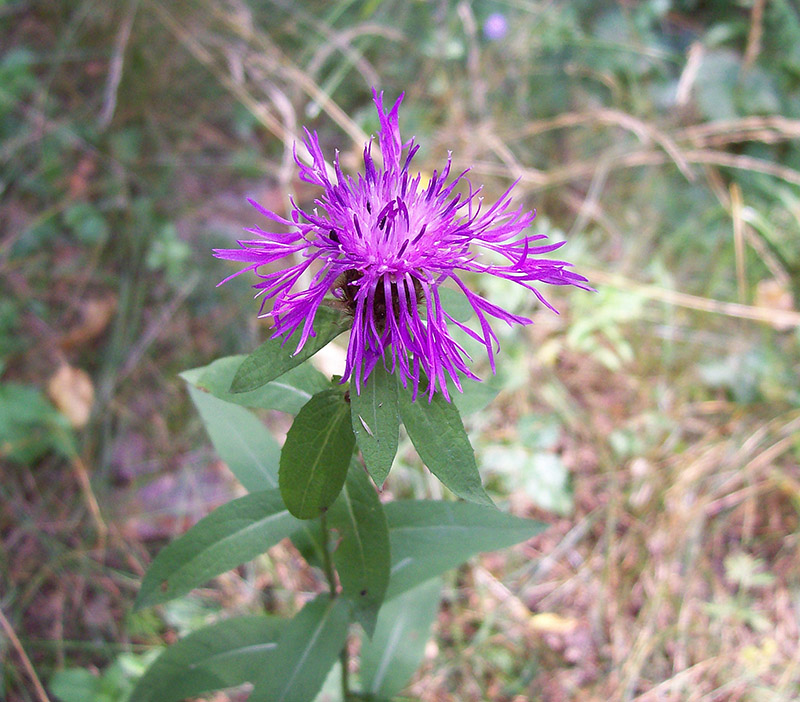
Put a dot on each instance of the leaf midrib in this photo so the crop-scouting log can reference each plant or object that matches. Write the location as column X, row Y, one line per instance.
column 233, row 535
column 320, row 452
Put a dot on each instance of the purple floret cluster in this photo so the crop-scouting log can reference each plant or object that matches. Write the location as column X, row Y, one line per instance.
column 382, row 244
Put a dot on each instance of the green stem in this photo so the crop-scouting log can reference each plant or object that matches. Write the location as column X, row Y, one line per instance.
column 330, row 576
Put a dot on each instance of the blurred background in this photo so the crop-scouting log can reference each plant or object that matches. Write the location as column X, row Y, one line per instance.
column 654, row 423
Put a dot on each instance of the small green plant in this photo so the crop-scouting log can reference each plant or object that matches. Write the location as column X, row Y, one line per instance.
column 384, row 243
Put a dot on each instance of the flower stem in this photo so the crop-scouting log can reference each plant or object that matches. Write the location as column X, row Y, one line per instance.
column 330, row 576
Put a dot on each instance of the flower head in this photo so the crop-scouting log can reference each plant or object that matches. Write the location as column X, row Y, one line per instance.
column 495, row 27
column 382, row 244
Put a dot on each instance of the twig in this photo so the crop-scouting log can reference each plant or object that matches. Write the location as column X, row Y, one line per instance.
column 26, row 662
column 678, row 681
column 115, row 67
column 768, row 129
column 268, row 51
column 770, row 260
column 643, row 131
column 755, row 34
column 689, row 74
column 477, row 83
column 91, row 501
column 585, row 169
column 776, row 318
column 257, row 109
column 738, row 240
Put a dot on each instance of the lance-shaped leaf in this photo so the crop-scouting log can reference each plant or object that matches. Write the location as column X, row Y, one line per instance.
column 232, row 534
column 455, row 304
column 437, row 432
column 376, row 421
column 240, row 438
column 276, row 356
column 315, row 457
column 429, row 537
column 308, row 648
column 475, row 396
column 362, row 556
column 398, row 645
column 222, row 655
column 288, row 393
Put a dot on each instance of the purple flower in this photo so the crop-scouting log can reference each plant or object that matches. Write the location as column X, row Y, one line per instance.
column 382, row 244
column 495, row 27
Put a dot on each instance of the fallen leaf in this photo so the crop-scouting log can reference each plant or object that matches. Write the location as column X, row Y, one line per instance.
column 72, row 392
column 552, row 623
column 95, row 315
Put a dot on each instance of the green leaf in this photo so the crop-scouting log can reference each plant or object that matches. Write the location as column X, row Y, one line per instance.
column 30, row 426
column 438, row 434
column 306, row 651
column 75, row 685
column 429, row 537
column 362, row 557
column 232, row 534
column 240, row 438
column 315, row 457
column 287, row 393
column 275, row 356
column 86, row 222
column 219, row 656
column 476, row 395
column 398, row 645
column 376, row 421
column 456, row 304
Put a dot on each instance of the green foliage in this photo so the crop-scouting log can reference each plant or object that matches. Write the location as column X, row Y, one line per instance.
column 287, row 393
column 170, row 254
column 30, row 426
column 316, row 455
column 746, row 573
column 531, row 464
column 376, row 422
column 394, row 551
column 475, row 396
column 307, row 648
column 232, row 534
column 397, row 647
column 438, row 435
column 599, row 326
column 222, row 655
column 276, row 356
column 362, row 556
column 240, row 438
column 116, row 684
column 429, row 537
column 86, row 223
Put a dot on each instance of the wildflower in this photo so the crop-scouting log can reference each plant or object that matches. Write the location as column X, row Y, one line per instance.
column 495, row 27
column 382, row 244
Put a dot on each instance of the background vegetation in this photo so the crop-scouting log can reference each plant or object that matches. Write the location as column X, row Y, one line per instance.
column 654, row 423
